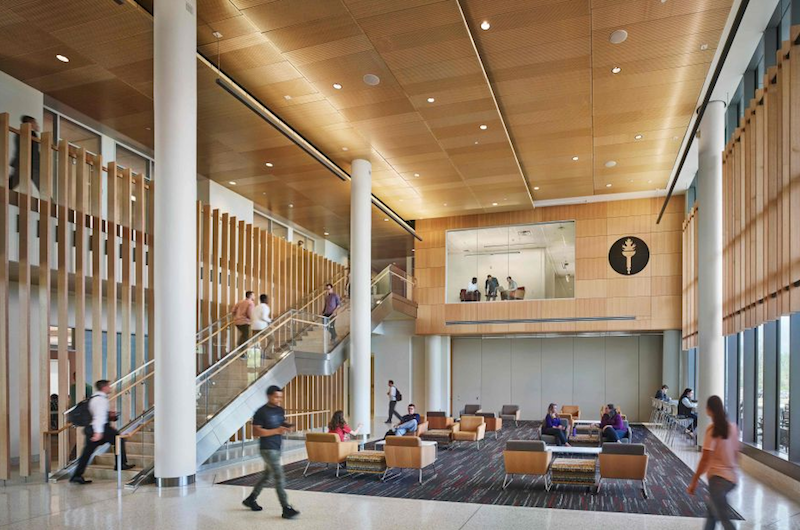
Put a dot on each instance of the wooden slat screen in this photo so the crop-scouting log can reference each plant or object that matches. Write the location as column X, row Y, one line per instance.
column 689, row 312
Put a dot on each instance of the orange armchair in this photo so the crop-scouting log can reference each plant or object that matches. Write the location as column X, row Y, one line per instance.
column 470, row 429
column 326, row 448
column 409, row 452
column 439, row 420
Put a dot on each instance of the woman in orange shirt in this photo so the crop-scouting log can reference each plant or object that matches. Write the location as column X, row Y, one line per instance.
column 719, row 463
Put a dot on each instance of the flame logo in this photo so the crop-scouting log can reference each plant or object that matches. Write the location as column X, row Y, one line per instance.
column 629, row 251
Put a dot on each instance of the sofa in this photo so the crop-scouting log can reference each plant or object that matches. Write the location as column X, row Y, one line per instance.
column 438, row 420
column 326, row 448
column 474, row 296
column 526, row 457
column 470, row 429
column 510, row 413
column 549, row 439
column 494, row 423
column 624, row 462
column 408, row 452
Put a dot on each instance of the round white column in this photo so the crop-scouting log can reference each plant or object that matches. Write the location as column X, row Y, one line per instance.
column 711, row 347
column 360, row 298
column 175, row 240
column 433, row 372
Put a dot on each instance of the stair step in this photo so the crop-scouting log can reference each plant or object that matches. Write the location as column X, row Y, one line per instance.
column 104, row 472
column 109, row 459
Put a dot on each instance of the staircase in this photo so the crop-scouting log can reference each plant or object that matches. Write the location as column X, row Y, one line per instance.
column 232, row 387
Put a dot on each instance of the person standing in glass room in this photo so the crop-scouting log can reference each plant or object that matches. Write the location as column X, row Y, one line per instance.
column 491, row 287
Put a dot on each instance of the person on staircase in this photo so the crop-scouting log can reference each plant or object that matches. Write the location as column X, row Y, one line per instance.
column 99, row 431
column 332, row 305
column 261, row 320
column 242, row 316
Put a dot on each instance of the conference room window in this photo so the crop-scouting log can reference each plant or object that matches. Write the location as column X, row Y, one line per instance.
column 525, row 262
column 759, row 385
column 783, row 385
column 740, row 376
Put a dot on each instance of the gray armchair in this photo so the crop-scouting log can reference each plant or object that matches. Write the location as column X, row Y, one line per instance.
column 471, row 410
column 510, row 413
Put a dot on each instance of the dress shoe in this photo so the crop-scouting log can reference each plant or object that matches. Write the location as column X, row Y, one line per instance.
column 79, row 480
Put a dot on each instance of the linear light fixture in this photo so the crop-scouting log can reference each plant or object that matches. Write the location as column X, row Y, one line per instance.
column 537, row 320
column 496, row 104
column 264, row 113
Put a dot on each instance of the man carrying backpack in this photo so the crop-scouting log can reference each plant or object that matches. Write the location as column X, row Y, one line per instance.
column 394, row 397
column 97, row 429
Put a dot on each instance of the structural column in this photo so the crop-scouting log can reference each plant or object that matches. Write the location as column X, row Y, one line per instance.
column 711, row 347
column 433, row 372
column 175, row 240
column 360, row 298
column 671, row 361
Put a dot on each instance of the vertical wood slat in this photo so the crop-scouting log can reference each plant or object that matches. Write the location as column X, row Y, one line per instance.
column 111, row 272
column 97, row 245
column 139, row 219
column 794, row 169
column 785, row 178
column 45, row 198
column 241, row 286
column 24, row 348
column 124, row 220
column 151, row 341
column 248, row 257
column 81, row 188
column 63, row 252
column 204, row 240
column 216, row 314
column 5, row 412
column 224, row 261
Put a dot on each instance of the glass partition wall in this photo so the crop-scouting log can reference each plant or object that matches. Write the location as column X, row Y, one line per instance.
column 518, row 262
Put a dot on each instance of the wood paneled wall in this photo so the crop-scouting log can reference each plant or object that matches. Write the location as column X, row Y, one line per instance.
column 689, row 303
column 653, row 296
column 315, row 392
column 761, row 201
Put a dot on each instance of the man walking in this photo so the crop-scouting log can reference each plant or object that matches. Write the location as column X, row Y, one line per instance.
column 332, row 304
column 392, row 393
column 269, row 424
column 99, row 432
column 242, row 316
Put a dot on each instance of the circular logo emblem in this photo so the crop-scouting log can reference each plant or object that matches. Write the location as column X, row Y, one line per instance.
column 629, row 255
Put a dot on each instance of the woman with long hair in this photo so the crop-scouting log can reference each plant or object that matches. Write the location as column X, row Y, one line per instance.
column 338, row 426
column 553, row 427
column 612, row 425
column 687, row 407
column 719, row 463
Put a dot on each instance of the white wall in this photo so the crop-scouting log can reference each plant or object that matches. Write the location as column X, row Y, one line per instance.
column 399, row 356
column 333, row 252
column 528, row 268
column 19, row 99
column 226, row 200
column 533, row 372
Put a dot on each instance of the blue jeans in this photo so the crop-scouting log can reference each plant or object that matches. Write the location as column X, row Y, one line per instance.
column 613, row 435
column 719, row 511
column 403, row 428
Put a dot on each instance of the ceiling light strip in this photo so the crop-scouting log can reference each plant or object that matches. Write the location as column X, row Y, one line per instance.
column 282, row 127
column 537, row 320
column 676, row 171
column 496, row 104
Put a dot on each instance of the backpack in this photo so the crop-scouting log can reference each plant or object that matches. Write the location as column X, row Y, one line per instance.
column 80, row 415
column 397, row 395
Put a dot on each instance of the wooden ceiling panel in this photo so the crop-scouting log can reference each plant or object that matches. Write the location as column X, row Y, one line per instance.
column 283, row 13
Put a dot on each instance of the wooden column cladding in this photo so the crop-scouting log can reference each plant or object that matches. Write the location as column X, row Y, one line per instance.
column 5, row 409
column 761, row 202
column 24, row 349
column 125, row 194
column 82, row 180
column 112, row 372
column 689, row 311
column 139, row 300
column 45, row 204
column 64, row 253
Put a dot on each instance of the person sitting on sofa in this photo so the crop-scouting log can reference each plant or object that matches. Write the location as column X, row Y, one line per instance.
column 553, row 427
column 473, row 285
column 338, row 426
column 512, row 285
column 612, row 425
column 408, row 423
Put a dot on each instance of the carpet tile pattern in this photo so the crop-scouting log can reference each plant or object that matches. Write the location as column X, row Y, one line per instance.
column 465, row 474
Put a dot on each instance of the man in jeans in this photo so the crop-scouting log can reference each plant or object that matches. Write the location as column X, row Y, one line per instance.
column 269, row 424
column 408, row 423
column 332, row 303
column 242, row 316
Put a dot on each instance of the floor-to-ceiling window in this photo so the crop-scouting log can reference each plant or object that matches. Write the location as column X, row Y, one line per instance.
column 783, row 385
column 759, row 386
column 740, row 377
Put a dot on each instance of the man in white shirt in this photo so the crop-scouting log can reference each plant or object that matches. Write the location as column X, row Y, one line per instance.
column 392, row 393
column 473, row 285
column 261, row 319
column 99, row 432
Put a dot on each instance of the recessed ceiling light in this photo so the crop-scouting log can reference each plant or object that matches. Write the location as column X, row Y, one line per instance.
column 484, row 126
column 217, row 35
column 148, row 129
column 485, row 25
column 619, row 36
column 616, row 70
column 232, row 182
column 675, row 138
column 413, row 250
column 445, row 204
column 416, row 174
column 291, row 205
column 325, row 234
column 269, row 164
column 611, row 163
column 536, row 188
column 337, row 86
column 494, row 204
column 372, row 79
column 638, row 137
column 574, row 158
column 287, row 97
column 385, row 218
column 649, row 181
column 631, row 180
column 345, row 148
column 608, row 185
column 62, row 58
column 431, row 100
column 476, row 142
column 703, row 47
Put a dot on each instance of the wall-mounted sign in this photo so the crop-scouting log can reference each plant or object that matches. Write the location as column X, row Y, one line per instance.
column 629, row 255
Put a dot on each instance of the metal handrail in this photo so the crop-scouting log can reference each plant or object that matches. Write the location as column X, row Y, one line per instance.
column 127, row 389
column 229, row 322
column 118, row 448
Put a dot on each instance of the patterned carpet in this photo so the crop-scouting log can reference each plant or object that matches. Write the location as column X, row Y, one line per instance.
column 465, row 474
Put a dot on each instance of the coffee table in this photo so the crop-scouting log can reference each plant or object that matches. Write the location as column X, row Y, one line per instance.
column 367, row 462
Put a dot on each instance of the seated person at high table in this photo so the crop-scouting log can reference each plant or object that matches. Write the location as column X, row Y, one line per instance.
column 491, row 287
column 512, row 285
column 612, row 424
column 687, row 406
column 408, row 423
column 553, row 427
column 663, row 393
